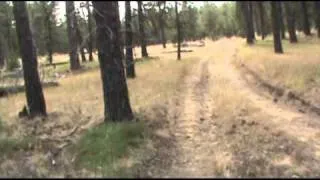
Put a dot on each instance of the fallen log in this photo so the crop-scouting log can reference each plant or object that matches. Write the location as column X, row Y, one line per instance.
column 5, row 91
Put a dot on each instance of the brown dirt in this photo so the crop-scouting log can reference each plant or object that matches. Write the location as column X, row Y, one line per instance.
column 247, row 136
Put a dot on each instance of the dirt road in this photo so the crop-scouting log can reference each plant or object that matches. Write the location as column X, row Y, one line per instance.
column 219, row 126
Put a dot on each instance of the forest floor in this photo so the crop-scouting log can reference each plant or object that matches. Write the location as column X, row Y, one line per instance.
column 205, row 116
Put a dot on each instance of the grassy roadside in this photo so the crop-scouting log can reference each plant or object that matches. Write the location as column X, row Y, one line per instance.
column 297, row 69
column 78, row 101
column 117, row 150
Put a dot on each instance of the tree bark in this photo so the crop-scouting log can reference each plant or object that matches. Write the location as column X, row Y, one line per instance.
column 276, row 27
column 317, row 10
column 262, row 23
column 143, row 44
column 281, row 14
column 178, row 32
column 116, row 98
column 10, row 40
column 257, row 25
column 80, row 41
column 121, row 36
column 290, row 16
column 245, row 12
column 306, row 24
column 251, row 20
column 90, row 40
column 48, row 23
column 161, row 23
column 34, row 93
column 2, row 56
column 72, row 36
column 129, row 55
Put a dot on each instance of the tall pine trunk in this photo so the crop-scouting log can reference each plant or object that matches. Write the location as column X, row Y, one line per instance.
column 282, row 26
column 257, row 25
column 90, row 40
column 262, row 22
column 121, row 36
column 81, row 43
column 129, row 55
column 72, row 36
column 116, row 99
column 178, row 32
column 245, row 12
column 317, row 22
column 276, row 27
column 306, row 24
column 10, row 40
column 2, row 54
column 290, row 17
column 49, row 42
column 34, row 93
column 251, row 21
column 48, row 23
column 143, row 44
column 161, row 24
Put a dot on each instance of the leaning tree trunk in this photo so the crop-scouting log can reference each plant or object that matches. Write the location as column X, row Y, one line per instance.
column 34, row 94
column 143, row 44
column 178, row 32
column 306, row 24
column 90, row 40
column 290, row 16
column 245, row 12
column 116, row 99
column 283, row 31
column 129, row 55
column 317, row 10
column 72, row 36
column 261, row 15
column 276, row 27
column 161, row 23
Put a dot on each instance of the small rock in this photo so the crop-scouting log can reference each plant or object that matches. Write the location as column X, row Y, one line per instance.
column 202, row 119
column 252, row 123
column 231, row 130
column 275, row 100
column 300, row 110
column 53, row 162
column 243, row 122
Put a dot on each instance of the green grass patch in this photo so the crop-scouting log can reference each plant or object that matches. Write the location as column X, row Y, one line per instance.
column 101, row 148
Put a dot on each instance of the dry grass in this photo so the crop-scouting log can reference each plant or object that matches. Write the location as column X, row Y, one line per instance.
column 252, row 139
column 240, row 135
column 297, row 69
column 78, row 101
